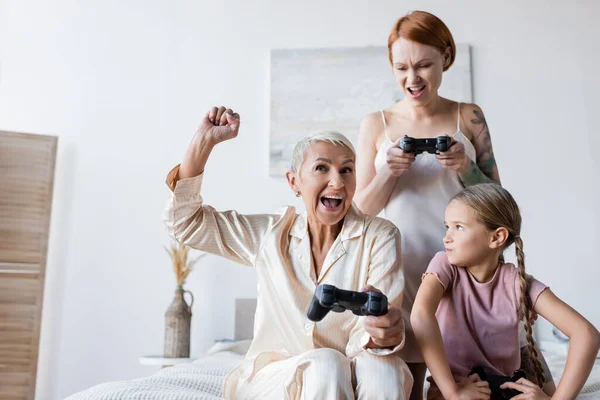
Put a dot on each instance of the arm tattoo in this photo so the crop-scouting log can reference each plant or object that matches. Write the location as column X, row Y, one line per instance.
column 485, row 170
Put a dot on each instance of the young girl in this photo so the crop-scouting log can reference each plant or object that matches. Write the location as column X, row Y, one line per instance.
column 470, row 302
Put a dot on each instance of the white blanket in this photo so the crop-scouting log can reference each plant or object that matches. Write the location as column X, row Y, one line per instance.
column 591, row 389
column 201, row 380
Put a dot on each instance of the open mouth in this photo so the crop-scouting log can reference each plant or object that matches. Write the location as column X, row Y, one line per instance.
column 416, row 91
column 332, row 203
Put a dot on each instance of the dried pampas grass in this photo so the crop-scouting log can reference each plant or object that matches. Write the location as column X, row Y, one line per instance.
column 182, row 266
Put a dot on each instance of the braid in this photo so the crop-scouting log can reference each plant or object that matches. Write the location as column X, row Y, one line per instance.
column 525, row 311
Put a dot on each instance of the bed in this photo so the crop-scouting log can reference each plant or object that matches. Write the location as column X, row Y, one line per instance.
column 200, row 380
column 203, row 379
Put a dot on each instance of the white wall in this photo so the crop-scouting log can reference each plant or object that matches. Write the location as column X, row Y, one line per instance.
column 125, row 83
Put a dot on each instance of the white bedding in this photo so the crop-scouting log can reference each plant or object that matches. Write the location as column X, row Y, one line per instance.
column 203, row 379
column 591, row 390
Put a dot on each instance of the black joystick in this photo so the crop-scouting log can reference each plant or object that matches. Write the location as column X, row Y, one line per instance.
column 495, row 381
column 329, row 298
column 430, row 145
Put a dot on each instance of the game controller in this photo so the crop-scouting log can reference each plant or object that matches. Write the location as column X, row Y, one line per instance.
column 495, row 381
column 329, row 298
column 430, row 145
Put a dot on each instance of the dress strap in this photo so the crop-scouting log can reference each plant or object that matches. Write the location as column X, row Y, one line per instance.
column 385, row 126
column 458, row 119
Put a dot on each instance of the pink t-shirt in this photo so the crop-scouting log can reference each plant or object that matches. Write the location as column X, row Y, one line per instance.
column 478, row 321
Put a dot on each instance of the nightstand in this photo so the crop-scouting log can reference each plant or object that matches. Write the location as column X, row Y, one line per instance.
column 159, row 360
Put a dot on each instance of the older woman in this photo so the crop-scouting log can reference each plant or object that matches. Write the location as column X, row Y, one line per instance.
column 332, row 242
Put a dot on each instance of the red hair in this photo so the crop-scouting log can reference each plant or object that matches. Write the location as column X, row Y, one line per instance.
column 425, row 28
